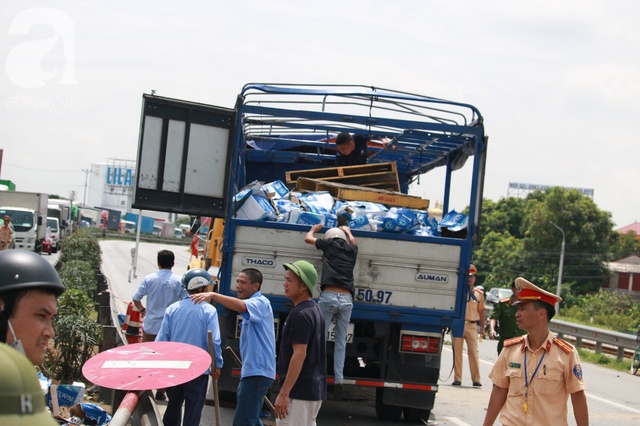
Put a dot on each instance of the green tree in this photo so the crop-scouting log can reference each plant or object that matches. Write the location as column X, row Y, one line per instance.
column 183, row 220
column 626, row 245
column 496, row 258
column 589, row 237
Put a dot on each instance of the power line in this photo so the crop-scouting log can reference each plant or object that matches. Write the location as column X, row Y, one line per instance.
column 42, row 170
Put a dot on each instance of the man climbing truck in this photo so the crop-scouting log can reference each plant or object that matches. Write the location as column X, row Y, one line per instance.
column 411, row 274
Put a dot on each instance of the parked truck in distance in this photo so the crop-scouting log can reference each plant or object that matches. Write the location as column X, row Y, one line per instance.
column 65, row 214
column 409, row 288
column 28, row 213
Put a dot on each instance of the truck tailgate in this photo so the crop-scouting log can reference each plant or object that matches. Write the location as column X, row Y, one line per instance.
column 392, row 272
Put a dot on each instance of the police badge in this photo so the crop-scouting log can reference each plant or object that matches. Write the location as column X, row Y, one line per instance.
column 577, row 370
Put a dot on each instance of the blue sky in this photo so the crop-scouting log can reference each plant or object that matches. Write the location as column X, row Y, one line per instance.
column 557, row 82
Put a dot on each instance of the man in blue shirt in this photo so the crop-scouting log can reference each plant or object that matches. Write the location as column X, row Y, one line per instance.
column 162, row 289
column 185, row 322
column 257, row 344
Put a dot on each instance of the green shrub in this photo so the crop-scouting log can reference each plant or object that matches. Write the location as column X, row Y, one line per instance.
column 612, row 310
column 81, row 245
column 73, row 302
column 76, row 336
column 75, row 342
column 78, row 274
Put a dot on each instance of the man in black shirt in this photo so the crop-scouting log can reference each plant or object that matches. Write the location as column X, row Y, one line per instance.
column 339, row 253
column 352, row 150
column 302, row 361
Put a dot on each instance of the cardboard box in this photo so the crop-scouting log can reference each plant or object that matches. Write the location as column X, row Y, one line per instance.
column 256, row 208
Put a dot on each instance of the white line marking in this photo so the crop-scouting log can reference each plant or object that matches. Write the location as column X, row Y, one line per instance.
column 457, row 421
column 615, row 404
column 181, row 365
column 606, row 401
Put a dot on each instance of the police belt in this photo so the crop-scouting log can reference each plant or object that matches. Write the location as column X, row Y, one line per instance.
column 471, row 322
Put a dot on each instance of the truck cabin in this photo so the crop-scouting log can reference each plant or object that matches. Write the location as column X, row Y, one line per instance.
column 21, row 220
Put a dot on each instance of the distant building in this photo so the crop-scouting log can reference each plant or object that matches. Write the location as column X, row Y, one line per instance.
column 626, row 276
column 111, row 186
column 633, row 227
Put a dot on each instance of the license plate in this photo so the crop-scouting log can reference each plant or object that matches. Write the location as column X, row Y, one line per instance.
column 367, row 295
column 331, row 336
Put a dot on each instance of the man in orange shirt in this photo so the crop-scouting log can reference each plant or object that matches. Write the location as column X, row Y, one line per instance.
column 535, row 374
column 473, row 316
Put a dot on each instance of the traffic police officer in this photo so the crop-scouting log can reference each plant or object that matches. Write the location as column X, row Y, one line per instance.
column 473, row 315
column 504, row 313
column 21, row 402
column 535, row 374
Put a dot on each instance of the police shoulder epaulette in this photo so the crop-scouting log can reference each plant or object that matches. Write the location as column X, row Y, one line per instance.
column 513, row 341
column 505, row 300
column 567, row 347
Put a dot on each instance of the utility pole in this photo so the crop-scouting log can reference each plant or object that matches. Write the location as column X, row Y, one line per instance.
column 86, row 175
column 561, row 265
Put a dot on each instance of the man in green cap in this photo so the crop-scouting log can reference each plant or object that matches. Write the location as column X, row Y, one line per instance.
column 302, row 361
column 21, row 399
column 504, row 313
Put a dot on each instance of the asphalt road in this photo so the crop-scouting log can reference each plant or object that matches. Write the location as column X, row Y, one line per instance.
column 611, row 395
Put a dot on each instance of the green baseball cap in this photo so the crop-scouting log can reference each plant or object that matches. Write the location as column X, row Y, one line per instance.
column 305, row 271
column 21, row 399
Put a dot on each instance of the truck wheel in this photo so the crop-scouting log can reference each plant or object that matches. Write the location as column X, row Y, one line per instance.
column 384, row 411
column 54, row 249
column 415, row 415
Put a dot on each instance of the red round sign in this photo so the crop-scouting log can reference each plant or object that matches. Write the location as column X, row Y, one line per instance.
column 146, row 366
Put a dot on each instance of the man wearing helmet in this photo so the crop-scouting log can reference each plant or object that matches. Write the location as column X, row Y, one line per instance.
column 162, row 289
column 29, row 288
column 339, row 253
column 23, row 404
column 257, row 344
column 186, row 322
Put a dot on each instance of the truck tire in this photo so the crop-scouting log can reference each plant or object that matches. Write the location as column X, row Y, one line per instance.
column 416, row 415
column 384, row 411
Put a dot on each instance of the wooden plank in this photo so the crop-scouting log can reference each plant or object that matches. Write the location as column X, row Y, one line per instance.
column 345, row 192
column 344, row 171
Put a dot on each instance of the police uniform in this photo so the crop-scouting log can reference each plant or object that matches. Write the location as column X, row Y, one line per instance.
column 475, row 308
column 539, row 381
column 505, row 313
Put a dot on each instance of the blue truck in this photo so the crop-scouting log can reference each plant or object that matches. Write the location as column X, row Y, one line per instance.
column 410, row 289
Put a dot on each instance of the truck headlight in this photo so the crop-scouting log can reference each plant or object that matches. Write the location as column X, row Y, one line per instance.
column 31, row 239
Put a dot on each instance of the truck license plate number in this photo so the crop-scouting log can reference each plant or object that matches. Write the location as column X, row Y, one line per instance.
column 331, row 334
column 373, row 296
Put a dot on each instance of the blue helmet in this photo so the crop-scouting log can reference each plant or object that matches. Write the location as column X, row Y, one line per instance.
column 196, row 278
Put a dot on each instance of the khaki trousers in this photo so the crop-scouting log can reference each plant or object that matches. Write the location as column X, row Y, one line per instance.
column 471, row 336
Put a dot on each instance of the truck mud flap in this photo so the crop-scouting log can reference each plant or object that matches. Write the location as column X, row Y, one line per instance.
column 409, row 398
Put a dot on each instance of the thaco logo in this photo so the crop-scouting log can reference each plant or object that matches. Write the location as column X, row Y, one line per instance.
column 258, row 261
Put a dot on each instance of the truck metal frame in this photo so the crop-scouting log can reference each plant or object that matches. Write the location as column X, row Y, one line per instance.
column 409, row 289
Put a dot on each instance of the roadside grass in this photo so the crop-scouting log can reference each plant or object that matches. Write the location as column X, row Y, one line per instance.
column 582, row 322
column 603, row 360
